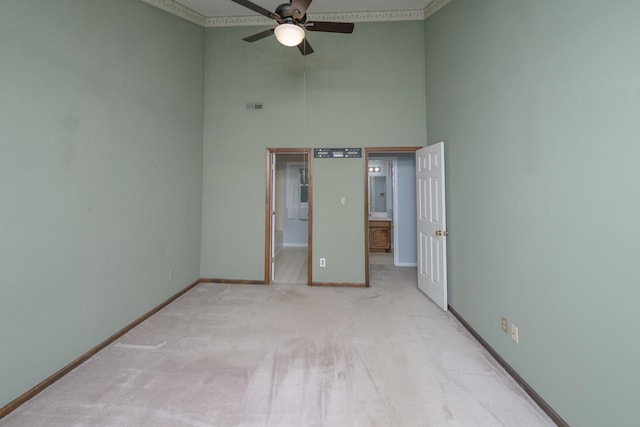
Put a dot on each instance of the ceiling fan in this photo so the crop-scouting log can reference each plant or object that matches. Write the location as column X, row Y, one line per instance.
column 292, row 23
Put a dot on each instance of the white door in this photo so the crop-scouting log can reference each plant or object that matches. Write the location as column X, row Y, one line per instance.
column 432, row 226
column 273, row 217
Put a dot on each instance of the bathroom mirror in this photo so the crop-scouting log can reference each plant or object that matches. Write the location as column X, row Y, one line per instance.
column 380, row 188
column 378, row 194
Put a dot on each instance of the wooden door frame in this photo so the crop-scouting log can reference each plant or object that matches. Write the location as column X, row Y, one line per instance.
column 367, row 151
column 268, row 209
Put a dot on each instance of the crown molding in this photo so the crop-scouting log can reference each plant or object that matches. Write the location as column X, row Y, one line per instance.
column 237, row 21
column 184, row 12
column 434, row 7
column 178, row 10
column 387, row 16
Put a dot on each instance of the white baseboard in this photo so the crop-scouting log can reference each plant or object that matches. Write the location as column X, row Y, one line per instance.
column 295, row 245
column 406, row 264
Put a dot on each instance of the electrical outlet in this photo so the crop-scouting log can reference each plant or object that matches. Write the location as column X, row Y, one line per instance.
column 514, row 333
column 323, row 262
column 505, row 325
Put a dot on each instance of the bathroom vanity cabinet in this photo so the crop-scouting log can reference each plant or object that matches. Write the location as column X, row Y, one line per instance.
column 379, row 235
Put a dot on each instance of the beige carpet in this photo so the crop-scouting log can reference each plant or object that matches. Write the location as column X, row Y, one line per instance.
column 279, row 355
column 380, row 258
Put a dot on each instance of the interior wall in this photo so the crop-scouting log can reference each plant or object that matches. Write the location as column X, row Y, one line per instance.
column 538, row 105
column 406, row 225
column 100, row 175
column 364, row 89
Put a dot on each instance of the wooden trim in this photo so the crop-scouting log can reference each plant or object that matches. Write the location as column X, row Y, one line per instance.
column 339, row 285
column 392, row 150
column 555, row 417
column 233, row 281
column 367, row 266
column 379, row 150
column 310, row 217
column 267, row 220
column 33, row 392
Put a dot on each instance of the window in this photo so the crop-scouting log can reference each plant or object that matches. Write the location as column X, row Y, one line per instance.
column 297, row 183
column 304, row 184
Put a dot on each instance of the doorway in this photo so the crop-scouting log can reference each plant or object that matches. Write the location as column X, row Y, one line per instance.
column 288, row 219
column 390, row 208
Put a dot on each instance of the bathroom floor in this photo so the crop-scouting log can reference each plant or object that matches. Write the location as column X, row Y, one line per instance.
column 291, row 266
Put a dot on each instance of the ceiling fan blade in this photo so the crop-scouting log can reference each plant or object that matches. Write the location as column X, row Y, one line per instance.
column 305, row 48
column 330, row 27
column 299, row 8
column 261, row 10
column 259, row 36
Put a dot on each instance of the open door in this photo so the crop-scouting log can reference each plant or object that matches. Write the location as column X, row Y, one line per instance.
column 272, row 221
column 432, row 226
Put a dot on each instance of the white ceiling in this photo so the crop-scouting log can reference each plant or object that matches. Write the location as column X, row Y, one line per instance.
column 227, row 8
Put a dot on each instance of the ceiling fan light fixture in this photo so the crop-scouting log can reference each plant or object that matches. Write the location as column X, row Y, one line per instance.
column 289, row 34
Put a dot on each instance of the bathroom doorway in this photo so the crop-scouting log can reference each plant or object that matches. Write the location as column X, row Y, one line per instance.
column 390, row 213
column 289, row 217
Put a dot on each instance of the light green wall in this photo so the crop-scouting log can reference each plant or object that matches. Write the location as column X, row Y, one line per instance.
column 539, row 104
column 101, row 127
column 101, row 112
column 359, row 90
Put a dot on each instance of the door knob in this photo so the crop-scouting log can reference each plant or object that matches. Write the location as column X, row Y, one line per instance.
column 442, row 233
